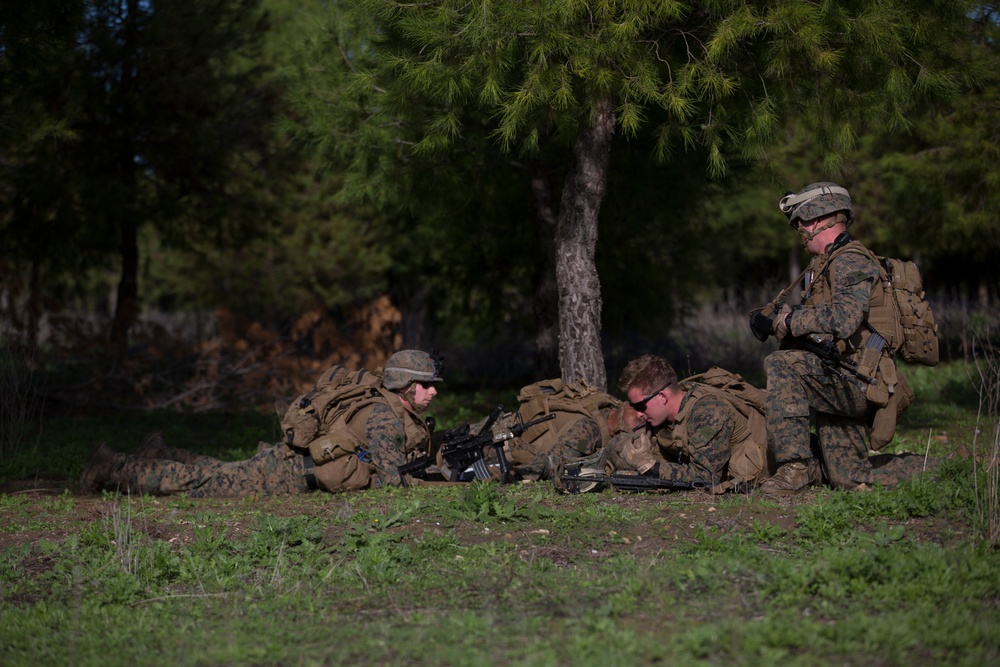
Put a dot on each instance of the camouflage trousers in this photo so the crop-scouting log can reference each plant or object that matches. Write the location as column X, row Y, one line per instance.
column 579, row 439
column 799, row 387
column 272, row 471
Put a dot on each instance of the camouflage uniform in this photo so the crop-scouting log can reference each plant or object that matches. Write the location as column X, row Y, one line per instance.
column 580, row 436
column 580, row 420
column 709, row 423
column 274, row 470
column 800, row 385
column 388, row 445
column 389, row 430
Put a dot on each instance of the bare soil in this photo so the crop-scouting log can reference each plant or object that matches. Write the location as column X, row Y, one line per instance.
column 676, row 521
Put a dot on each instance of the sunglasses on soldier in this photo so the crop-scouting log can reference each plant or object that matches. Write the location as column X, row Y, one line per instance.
column 640, row 406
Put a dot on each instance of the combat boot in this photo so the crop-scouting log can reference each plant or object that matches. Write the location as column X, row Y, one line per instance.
column 104, row 461
column 791, row 478
column 152, row 446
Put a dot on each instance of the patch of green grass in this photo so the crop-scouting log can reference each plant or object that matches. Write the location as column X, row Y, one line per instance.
column 943, row 416
column 66, row 441
column 396, row 595
column 19, row 512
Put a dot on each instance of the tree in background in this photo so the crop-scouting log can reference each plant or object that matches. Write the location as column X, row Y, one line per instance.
column 553, row 83
column 936, row 189
column 156, row 114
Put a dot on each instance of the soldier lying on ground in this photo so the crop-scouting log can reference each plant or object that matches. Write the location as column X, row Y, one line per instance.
column 697, row 433
column 383, row 427
column 585, row 421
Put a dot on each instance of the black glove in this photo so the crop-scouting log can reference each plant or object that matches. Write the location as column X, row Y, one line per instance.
column 760, row 325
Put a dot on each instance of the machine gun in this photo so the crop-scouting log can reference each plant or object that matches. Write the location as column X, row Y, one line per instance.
column 577, row 480
column 462, row 450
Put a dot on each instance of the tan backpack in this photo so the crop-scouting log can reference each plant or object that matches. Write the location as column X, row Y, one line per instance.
column 566, row 401
column 337, row 392
column 919, row 342
column 748, row 459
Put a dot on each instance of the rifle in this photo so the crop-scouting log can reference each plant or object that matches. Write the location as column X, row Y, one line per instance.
column 461, row 450
column 822, row 346
column 574, row 479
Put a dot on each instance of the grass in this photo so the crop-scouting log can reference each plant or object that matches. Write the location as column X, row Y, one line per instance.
column 489, row 575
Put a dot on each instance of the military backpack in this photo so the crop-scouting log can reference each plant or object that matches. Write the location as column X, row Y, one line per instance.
column 748, row 459
column 568, row 401
column 338, row 393
column 919, row 341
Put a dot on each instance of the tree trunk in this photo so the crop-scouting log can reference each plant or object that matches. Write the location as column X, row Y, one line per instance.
column 127, row 304
column 580, row 356
column 545, row 304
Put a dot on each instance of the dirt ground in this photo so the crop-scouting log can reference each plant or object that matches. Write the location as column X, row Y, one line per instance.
column 678, row 520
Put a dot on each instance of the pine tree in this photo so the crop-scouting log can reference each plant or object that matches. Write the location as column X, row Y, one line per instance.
column 555, row 82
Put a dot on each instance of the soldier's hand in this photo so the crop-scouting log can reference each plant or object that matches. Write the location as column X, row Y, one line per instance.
column 760, row 325
column 781, row 322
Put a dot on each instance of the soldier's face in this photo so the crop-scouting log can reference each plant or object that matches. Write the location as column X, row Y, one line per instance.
column 815, row 239
column 653, row 406
column 423, row 394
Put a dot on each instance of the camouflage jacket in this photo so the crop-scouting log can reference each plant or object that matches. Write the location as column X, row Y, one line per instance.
column 701, row 439
column 846, row 290
column 390, row 441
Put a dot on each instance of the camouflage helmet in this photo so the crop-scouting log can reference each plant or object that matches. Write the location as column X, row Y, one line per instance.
column 408, row 366
column 816, row 200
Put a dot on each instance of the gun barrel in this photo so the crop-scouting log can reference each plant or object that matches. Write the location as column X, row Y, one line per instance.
column 634, row 482
column 414, row 467
column 533, row 422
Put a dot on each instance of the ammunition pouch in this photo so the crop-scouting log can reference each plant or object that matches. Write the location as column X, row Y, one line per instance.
column 884, row 421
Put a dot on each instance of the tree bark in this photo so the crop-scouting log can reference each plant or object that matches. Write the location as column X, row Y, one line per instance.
column 127, row 303
column 580, row 355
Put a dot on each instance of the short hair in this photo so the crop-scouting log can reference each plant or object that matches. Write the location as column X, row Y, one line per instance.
column 647, row 372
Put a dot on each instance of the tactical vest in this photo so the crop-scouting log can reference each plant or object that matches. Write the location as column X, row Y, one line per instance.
column 748, row 442
column 569, row 402
column 882, row 317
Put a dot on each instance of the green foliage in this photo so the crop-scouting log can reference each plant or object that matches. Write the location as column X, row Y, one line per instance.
column 833, row 517
column 936, row 195
column 486, row 502
column 157, row 116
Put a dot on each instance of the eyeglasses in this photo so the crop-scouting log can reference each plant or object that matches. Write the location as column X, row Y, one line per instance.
column 640, row 406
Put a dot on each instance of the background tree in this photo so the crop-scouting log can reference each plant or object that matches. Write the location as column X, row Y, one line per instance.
column 937, row 191
column 555, row 82
column 163, row 120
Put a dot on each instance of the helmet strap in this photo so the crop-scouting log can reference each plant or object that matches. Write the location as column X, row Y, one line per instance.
column 410, row 396
column 807, row 236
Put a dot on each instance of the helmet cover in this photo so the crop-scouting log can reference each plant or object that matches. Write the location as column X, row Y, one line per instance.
column 408, row 366
column 815, row 201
